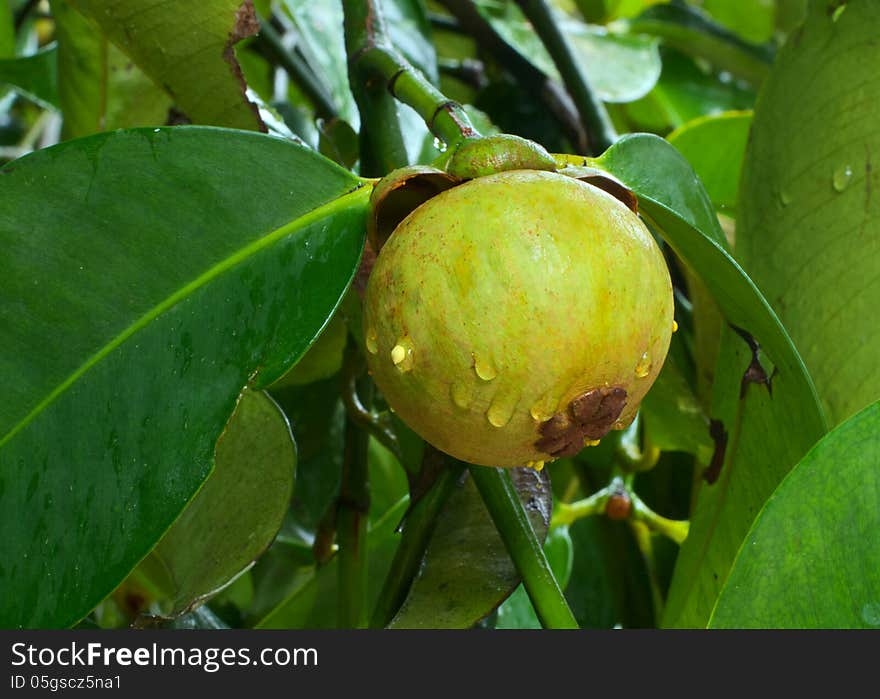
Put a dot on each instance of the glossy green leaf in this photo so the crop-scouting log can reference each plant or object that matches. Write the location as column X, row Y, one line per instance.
column 237, row 512
column 622, row 67
column 810, row 212
column 467, row 572
column 715, row 147
column 767, row 435
column 34, row 76
column 188, row 49
column 100, row 89
column 149, row 275
column 812, row 558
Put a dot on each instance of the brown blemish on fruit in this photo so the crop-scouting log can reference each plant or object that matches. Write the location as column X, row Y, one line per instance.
column 589, row 416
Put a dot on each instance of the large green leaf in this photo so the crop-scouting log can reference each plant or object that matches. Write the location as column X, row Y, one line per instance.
column 810, row 220
column 238, row 511
column 35, row 76
column 100, row 89
column 812, row 558
column 767, row 434
column 188, row 49
column 148, row 276
column 715, row 147
column 467, row 571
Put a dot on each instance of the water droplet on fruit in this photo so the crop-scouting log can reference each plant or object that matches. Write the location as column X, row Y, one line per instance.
column 462, row 394
column 402, row 354
column 785, row 198
column 544, row 408
column 440, row 145
column 485, row 368
column 591, row 442
column 643, row 368
column 502, row 407
column 842, row 177
column 537, row 465
column 674, row 326
column 372, row 341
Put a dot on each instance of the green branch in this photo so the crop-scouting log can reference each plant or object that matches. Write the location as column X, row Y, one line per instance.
column 271, row 44
column 532, row 78
column 352, row 508
column 375, row 64
column 501, row 499
column 593, row 113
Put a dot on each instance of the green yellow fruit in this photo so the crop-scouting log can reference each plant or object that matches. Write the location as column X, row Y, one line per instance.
column 516, row 317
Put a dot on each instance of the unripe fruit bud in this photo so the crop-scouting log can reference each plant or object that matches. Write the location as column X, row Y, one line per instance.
column 515, row 317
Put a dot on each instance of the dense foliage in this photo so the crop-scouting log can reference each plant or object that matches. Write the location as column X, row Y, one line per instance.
column 190, row 205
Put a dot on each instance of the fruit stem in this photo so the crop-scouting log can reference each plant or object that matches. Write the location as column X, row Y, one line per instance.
column 371, row 56
column 600, row 130
column 532, row 78
column 382, row 147
column 417, row 531
column 501, row 499
column 352, row 508
column 677, row 530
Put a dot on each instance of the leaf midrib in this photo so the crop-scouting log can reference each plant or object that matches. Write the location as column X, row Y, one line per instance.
column 239, row 256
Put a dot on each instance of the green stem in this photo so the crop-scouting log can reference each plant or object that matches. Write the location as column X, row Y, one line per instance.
column 502, row 501
column 674, row 529
column 418, row 528
column 352, row 508
column 373, row 60
column 532, row 78
column 272, row 45
column 568, row 513
column 593, row 113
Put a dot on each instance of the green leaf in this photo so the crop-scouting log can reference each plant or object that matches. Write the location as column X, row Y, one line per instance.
column 188, row 50
column 715, row 147
column 812, row 558
column 467, row 572
column 692, row 31
column 685, row 92
column 767, row 435
column 753, row 20
column 673, row 417
column 622, row 67
column 238, row 511
column 34, row 76
column 313, row 604
column 7, row 31
column 149, row 276
column 100, row 89
column 810, row 213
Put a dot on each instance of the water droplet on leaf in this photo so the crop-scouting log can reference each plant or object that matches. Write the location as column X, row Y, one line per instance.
column 372, row 341
column 842, row 177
